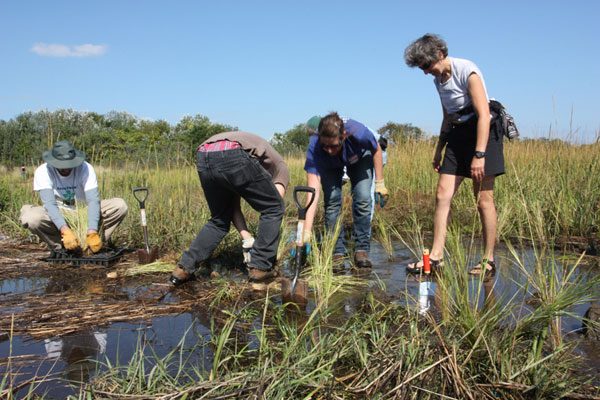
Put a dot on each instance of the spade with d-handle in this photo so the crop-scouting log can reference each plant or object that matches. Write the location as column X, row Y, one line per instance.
column 297, row 290
column 147, row 255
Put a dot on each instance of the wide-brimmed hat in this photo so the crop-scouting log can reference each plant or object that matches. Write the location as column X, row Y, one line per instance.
column 63, row 155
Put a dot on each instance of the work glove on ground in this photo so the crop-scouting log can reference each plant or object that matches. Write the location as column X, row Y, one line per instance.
column 93, row 241
column 246, row 247
column 69, row 239
column 381, row 193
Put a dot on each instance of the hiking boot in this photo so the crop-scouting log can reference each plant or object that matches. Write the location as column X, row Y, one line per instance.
column 361, row 259
column 179, row 276
column 338, row 263
column 260, row 275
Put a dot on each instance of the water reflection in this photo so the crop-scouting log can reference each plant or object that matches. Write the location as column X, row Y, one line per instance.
column 426, row 291
column 79, row 352
column 22, row 285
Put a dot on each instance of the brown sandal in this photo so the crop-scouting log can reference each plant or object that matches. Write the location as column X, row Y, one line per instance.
column 489, row 270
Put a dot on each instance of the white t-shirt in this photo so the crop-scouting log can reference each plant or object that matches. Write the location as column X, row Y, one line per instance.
column 80, row 180
column 454, row 93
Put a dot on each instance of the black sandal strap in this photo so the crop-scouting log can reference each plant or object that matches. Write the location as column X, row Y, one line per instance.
column 435, row 264
column 481, row 268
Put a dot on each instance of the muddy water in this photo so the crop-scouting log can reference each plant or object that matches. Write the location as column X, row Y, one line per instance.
column 77, row 356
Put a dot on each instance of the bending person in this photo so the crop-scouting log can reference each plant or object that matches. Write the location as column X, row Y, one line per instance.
column 338, row 144
column 233, row 165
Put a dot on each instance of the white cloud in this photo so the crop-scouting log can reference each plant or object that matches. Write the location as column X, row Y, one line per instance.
column 62, row 50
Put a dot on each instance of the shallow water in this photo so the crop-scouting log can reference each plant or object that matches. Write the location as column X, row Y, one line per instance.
column 73, row 357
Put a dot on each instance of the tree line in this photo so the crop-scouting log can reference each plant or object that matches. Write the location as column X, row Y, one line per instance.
column 119, row 136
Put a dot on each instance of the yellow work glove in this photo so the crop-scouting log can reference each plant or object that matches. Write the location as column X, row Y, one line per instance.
column 306, row 235
column 381, row 193
column 69, row 239
column 93, row 242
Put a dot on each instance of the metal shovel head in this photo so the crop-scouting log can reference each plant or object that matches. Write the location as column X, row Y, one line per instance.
column 146, row 257
column 300, row 294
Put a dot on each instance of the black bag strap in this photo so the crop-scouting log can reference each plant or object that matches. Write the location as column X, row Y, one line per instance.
column 466, row 110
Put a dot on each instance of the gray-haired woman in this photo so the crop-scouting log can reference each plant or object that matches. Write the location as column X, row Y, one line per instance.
column 471, row 149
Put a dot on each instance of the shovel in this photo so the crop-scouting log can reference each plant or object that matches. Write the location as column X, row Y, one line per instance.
column 147, row 255
column 297, row 290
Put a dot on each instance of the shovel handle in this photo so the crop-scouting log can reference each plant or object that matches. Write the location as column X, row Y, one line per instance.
column 141, row 194
column 302, row 209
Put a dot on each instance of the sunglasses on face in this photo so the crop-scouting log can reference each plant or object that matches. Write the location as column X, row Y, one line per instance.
column 331, row 146
column 425, row 66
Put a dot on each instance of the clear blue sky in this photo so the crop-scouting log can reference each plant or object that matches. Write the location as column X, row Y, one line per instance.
column 265, row 66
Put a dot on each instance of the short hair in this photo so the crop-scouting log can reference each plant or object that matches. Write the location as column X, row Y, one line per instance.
column 331, row 125
column 425, row 50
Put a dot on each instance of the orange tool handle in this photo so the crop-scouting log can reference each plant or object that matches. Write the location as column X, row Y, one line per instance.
column 426, row 263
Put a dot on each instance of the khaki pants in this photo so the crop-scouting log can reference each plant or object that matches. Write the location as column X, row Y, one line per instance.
column 37, row 220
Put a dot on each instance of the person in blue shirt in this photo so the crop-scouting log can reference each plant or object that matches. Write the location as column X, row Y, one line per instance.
column 345, row 143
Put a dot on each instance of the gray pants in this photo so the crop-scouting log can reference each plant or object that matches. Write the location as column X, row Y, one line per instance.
column 37, row 220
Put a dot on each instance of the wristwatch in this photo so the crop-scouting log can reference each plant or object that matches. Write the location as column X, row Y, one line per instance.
column 479, row 154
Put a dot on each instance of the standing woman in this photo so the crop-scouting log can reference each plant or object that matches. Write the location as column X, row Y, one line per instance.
column 471, row 149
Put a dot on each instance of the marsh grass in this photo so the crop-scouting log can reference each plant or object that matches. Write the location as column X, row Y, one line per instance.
column 146, row 372
column 382, row 233
column 382, row 352
column 559, row 183
column 500, row 347
column 77, row 219
column 496, row 348
column 12, row 387
column 325, row 284
column 150, row 268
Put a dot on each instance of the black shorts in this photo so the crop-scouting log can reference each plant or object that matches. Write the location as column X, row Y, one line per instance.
column 460, row 150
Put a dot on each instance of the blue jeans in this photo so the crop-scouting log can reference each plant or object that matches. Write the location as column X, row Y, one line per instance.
column 224, row 176
column 361, row 180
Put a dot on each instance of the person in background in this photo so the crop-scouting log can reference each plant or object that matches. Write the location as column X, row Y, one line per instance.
column 383, row 143
column 338, row 144
column 64, row 178
column 313, row 125
column 471, row 149
column 234, row 165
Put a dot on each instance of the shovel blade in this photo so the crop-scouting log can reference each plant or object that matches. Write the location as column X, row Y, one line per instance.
column 145, row 257
column 298, row 296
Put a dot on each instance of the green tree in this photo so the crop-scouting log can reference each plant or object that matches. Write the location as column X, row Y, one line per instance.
column 191, row 131
column 293, row 141
column 401, row 132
